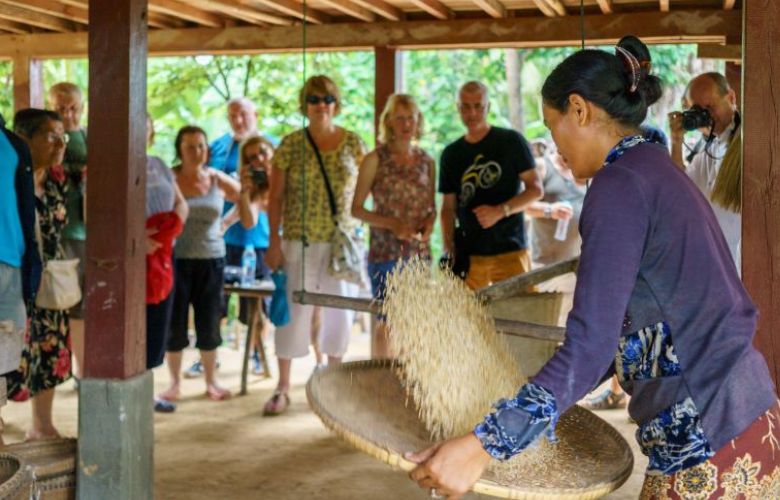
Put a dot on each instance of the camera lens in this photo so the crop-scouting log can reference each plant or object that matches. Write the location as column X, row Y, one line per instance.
column 696, row 117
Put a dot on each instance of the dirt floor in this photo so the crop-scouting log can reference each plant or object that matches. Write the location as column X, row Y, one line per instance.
column 228, row 450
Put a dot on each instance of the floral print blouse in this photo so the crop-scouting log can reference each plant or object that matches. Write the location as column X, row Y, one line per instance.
column 305, row 195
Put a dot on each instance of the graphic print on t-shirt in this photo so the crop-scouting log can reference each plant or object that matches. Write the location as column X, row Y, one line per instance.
column 483, row 175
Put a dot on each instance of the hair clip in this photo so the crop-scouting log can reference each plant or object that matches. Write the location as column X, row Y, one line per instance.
column 633, row 64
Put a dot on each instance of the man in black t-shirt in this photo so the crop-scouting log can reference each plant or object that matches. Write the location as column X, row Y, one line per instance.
column 487, row 178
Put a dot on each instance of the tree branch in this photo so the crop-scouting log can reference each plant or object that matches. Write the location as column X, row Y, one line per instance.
column 224, row 78
column 212, row 83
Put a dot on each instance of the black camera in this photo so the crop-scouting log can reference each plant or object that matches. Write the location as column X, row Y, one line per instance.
column 260, row 178
column 696, row 117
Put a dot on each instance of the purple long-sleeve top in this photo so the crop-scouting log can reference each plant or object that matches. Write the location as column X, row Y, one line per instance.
column 652, row 252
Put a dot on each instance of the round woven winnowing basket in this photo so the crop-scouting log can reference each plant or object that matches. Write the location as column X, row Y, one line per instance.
column 53, row 466
column 365, row 403
column 15, row 478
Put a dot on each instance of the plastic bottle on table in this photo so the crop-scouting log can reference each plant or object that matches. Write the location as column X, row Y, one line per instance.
column 562, row 228
column 248, row 266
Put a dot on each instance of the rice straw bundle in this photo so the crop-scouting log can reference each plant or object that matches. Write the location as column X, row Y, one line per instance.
column 452, row 361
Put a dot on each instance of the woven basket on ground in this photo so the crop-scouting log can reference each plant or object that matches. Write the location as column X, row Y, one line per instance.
column 15, row 478
column 365, row 404
column 53, row 467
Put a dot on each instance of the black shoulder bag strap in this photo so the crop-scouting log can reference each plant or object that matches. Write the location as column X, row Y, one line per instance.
column 331, row 198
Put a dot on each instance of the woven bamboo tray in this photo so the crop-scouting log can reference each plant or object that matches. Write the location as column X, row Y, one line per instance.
column 53, row 466
column 15, row 478
column 364, row 403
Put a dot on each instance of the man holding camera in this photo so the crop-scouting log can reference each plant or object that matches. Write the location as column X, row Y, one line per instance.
column 714, row 113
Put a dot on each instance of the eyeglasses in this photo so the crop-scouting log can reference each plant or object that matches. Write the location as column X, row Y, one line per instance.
column 315, row 99
column 51, row 137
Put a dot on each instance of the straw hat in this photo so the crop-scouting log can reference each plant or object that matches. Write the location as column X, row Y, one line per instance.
column 365, row 404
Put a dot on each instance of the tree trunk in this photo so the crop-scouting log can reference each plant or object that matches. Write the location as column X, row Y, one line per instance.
column 514, row 67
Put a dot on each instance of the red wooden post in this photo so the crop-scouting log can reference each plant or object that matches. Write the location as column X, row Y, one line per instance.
column 115, row 340
column 28, row 82
column 387, row 73
column 761, row 172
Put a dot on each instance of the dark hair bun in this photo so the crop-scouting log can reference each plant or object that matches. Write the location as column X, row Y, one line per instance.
column 649, row 85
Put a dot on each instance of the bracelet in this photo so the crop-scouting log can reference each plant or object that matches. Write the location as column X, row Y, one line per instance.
column 548, row 211
column 507, row 209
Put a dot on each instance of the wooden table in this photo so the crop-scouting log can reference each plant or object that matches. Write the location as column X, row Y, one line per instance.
column 255, row 294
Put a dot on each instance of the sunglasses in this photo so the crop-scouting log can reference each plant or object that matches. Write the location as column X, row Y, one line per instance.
column 315, row 99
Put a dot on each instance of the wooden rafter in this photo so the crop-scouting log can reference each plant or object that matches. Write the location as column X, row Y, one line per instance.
column 159, row 20
column 557, row 7
column 729, row 4
column 678, row 26
column 543, row 6
column 493, row 8
column 434, row 8
column 47, row 22
column 186, row 11
column 52, row 8
column 606, row 6
column 240, row 11
column 664, row 5
column 291, row 8
column 13, row 27
column 351, row 9
column 382, row 8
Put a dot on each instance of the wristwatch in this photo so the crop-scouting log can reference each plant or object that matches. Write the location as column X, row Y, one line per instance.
column 507, row 209
column 548, row 211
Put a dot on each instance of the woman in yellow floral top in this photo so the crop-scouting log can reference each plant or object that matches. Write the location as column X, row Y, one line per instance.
column 299, row 204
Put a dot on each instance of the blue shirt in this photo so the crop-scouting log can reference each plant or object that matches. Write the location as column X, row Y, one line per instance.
column 224, row 156
column 12, row 249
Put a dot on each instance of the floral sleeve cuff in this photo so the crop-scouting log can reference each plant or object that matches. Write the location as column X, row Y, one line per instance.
column 515, row 424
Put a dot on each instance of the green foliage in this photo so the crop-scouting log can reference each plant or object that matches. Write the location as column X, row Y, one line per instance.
column 7, row 90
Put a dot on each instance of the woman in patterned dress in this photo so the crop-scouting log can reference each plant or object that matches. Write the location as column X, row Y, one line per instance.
column 299, row 203
column 658, row 303
column 47, row 354
column 400, row 178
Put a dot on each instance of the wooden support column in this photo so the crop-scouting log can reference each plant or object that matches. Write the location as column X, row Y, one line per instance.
column 761, row 172
column 28, row 82
column 734, row 77
column 115, row 400
column 387, row 79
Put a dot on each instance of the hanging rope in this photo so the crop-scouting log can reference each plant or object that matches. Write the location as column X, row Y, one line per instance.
column 304, row 237
column 582, row 23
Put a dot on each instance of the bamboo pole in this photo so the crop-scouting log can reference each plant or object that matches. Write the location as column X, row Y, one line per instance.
column 521, row 283
column 505, row 326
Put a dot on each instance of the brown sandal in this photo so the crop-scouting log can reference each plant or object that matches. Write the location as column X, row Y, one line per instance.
column 277, row 404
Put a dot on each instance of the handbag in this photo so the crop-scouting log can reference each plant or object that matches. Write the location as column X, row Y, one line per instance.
column 346, row 247
column 59, row 289
column 279, row 311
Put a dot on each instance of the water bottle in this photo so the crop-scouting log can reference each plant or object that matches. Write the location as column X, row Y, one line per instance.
column 248, row 266
column 562, row 228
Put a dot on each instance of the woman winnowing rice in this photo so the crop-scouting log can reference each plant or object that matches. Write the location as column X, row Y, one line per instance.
column 658, row 302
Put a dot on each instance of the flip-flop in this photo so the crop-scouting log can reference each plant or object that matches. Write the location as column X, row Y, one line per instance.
column 277, row 404
column 218, row 395
column 167, row 396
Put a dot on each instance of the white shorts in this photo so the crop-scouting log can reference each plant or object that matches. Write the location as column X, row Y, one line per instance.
column 293, row 339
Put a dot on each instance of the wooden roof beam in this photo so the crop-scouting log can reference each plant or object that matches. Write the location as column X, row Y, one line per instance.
column 606, row 6
column 158, row 20
column 678, row 26
column 25, row 16
column 435, row 8
column 493, row 8
column 291, row 8
column 240, row 11
column 52, row 8
column 664, row 5
column 729, row 4
column 351, row 9
column 382, row 8
column 187, row 12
